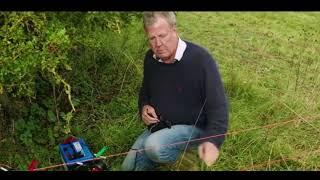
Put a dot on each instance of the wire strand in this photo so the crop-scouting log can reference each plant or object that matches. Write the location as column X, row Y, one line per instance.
column 176, row 143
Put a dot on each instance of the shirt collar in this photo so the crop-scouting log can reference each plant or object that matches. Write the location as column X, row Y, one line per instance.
column 179, row 53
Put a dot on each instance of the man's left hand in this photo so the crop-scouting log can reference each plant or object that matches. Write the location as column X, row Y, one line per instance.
column 208, row 152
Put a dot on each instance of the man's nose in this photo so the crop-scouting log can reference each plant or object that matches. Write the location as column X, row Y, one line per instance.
column 158, row 42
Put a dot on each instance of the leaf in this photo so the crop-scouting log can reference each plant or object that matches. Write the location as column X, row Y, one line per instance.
column 51, row 116
column 76, row 101
column 51, row 136
column 68, row 67
column 62, row 114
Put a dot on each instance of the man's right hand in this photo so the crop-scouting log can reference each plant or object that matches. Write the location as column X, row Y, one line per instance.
column 149, row 115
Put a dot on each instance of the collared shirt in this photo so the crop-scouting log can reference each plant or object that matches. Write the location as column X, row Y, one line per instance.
column 179, row 53
column 180, row 90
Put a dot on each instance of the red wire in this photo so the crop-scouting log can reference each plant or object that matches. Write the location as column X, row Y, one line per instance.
column 181, row 142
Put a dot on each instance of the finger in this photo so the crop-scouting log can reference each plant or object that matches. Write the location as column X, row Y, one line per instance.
column 200, row 151
column 145, row 120
column 148, row 119
column 145, row 115
column 151, row 112
column 152, row 121
column 208, row 162
column 209, row 159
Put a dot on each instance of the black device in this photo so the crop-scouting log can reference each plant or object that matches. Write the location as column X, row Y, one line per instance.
column 163, row 123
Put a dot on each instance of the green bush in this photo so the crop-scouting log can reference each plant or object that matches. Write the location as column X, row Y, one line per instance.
column 49, row 64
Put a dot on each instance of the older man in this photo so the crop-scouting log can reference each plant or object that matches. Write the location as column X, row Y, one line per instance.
column 182, row 98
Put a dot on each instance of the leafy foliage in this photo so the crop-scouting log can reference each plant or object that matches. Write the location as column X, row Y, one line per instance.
column 39, row 67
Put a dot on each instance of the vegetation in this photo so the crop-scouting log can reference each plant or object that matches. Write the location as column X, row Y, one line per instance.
column 79, row 73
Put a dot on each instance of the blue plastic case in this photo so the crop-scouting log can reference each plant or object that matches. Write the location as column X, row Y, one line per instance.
column 75, row 152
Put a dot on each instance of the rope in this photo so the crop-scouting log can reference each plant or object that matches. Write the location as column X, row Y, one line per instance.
column 172, row 144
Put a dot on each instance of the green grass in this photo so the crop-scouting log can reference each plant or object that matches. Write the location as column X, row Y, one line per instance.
column 269, row 63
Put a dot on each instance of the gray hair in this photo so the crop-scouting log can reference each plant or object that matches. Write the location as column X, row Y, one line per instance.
column 150, row 18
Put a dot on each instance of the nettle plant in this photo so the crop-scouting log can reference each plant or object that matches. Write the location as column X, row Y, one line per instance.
column 33, row 46
column 35, row 58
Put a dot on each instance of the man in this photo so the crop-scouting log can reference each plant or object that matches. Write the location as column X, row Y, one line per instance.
column 181, row 98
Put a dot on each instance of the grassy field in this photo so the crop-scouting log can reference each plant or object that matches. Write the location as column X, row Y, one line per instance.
column 269, row 63
column 270, row 66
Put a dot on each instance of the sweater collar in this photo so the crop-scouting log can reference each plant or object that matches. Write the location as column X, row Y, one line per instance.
column 179, row 53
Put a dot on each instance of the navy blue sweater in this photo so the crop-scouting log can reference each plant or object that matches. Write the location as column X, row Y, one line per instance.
column 178, row 91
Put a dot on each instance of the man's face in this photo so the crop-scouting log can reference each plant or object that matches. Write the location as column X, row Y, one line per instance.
column 163, row 39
